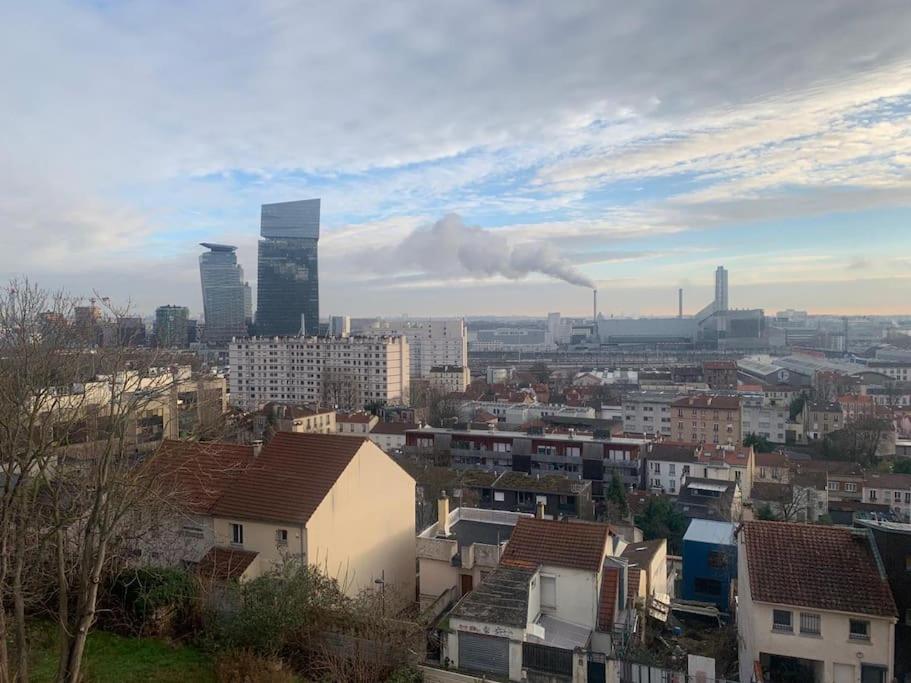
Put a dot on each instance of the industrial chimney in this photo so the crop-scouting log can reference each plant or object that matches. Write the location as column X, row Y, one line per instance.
column 680, row 302
column 595, row 306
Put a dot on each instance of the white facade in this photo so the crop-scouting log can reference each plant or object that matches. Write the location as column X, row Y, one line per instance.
column 759, row 417
column 648, row 412
column 349, row 372
column 892, row 490
column 668, row 476
column 432, row 342
column 518, row 413
column 449, row 378
column 838, row 656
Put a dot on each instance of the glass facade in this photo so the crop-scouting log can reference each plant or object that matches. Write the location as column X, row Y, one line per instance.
column 223, row 297
column 288, row 277
column 171, row 326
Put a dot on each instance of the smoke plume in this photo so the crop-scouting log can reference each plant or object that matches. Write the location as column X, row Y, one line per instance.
column 449, row 247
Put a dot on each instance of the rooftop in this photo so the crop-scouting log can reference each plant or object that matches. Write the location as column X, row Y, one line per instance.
column 501, row 598
column 290, row 477
column 642, row 553
column 357, row 418
column 573, row 545
column 392, row 427
column 503, row 434
column 672, row 452
column 708, row 531
column 708, row 401
column 545, row 483
column 887, row 481
column 820, row 567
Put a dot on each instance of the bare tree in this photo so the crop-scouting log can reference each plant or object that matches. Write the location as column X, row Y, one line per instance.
column 339, row 388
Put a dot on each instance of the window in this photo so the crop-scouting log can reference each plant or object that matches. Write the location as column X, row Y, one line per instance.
column 872, row 494
column 281, row 537
column 708, row 586
column 190, row 530
column 859, row 629
column 781, row 621
column 549, row 591
column 672, row 469
column 809, row 624
column 237, row 534
column 717, row 559
column 656, row 467
column 833, row 485
column 850, row 487
column 499, row 496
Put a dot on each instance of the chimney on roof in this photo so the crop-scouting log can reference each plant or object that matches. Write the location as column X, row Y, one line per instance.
column 257, row 447
column 443, row 514
column 539, row 510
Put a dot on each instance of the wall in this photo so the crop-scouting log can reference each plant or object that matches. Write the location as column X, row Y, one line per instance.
column 696, row 565
column 577, row 595
column 436, row 576
column 365, row 525
column 260, row 537
column 754, row 626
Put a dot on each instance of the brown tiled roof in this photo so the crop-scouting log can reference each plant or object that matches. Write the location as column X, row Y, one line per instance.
column 642, row 553
column 672, row 452
column 392, row 427
column 573, row 545
column 708, row 401
column 198, row 473
column 875, row 480
column 775, row 459
column 225, row 563
column 633, row 576
column 732, row 455
column 720, row 365
column 357, row 418
column 607, row 599
column 814, row 566
column 289, row 478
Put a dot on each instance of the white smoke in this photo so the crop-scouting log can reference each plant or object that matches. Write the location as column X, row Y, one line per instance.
column 452, row 248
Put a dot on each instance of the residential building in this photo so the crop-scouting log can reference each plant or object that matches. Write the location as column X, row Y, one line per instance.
column 288, row 278
column 281, row 417
column 813, row 605
column 720, row 374
column 519, row 492
column 821, row 418
column 805, row 498
column 710, row 499
column 390, row 436
column 707, row 419
column 709, row 563
column 433, row 341
column 844, row 479
column 648, row 559
column 772, row 468
column 856, row 406
column 893, row 541
column 760, row 417
column 222, row 293
column 360, row 423
column 558, row 590
column 522, row 408
column 648, row 412
column 171, row 326
column 577, row 456
column 447, row 379
column 727, row 463
column 668, row 464
column 347, row 373
column 336, row 502
column 339, row 326
column 458, row 551
column 893, row 490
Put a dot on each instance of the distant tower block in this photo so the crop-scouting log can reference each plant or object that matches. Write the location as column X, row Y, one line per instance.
column 721, row 289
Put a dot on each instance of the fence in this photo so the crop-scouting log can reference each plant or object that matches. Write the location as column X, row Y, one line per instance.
column 631, row 672
column 553, row 660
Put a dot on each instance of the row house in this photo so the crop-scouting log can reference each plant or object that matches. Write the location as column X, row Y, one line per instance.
column 668, row 463
column 772, row 468
column 893, row 490
column 764, row 419
column 573, row 455
column 648, row 412
column 705, row 418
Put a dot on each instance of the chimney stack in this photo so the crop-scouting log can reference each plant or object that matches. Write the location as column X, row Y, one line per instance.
column 680, row 302
column 257, row 447
column 443, row 514
column 539, row 510
column 595, row 306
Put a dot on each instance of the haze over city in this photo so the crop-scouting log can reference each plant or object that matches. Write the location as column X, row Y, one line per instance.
column 594, row 133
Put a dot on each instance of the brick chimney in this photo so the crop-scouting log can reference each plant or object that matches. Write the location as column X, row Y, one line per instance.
column 539, row 510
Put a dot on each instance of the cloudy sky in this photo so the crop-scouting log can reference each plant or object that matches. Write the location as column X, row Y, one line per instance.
column 636, row 145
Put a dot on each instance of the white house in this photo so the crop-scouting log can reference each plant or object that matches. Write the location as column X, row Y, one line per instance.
column 893, row 490
column 812, row 601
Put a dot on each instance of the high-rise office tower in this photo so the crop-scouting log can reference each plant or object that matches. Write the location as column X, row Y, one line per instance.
column 721, row 289
column 288, row 280
column 222, row 293
column 171, row 326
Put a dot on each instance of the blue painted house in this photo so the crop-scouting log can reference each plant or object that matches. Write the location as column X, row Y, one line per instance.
column 709, row 562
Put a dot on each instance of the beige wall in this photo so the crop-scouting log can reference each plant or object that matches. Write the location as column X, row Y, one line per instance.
column 365, row 525
column 261, row 537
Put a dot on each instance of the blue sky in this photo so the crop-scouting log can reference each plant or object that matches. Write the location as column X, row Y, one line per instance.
column 636, row 145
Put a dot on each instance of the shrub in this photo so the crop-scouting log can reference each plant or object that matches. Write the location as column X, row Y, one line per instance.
column 151, row 600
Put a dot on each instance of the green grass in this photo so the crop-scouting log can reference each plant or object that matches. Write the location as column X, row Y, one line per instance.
column 110, row 658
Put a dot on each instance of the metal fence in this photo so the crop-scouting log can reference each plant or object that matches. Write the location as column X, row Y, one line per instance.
column 548, row 659
column 631, row 672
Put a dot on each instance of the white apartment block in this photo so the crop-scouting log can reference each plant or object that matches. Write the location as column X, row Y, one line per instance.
column 648, row 412
column 432, row 342
column 758, row 416
column 449, row 378
column 347, row 373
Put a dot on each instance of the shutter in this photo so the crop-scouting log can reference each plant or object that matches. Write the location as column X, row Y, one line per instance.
column 487, row 654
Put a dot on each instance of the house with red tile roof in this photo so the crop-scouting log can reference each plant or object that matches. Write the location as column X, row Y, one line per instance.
column 813, row 604
column 336, row 502
column 560, row 586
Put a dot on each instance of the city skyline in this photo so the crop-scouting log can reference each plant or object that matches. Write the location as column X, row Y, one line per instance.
column 591, row 138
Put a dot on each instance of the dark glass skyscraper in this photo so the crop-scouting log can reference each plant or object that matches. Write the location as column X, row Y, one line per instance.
column 222, row 293
column 288, row 279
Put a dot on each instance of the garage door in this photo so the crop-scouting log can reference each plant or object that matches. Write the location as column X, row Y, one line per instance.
column 844, row 673
column 487, row 654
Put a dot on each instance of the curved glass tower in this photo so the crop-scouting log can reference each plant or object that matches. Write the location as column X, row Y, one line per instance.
column 222, row 293
column 288, row 279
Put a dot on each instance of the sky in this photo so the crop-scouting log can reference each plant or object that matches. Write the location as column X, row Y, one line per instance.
column 471, row 156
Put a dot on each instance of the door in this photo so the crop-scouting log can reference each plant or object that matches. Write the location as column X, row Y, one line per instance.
column 844, row 673
column 467, row 581
column 486, row 654
column 870, row 673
